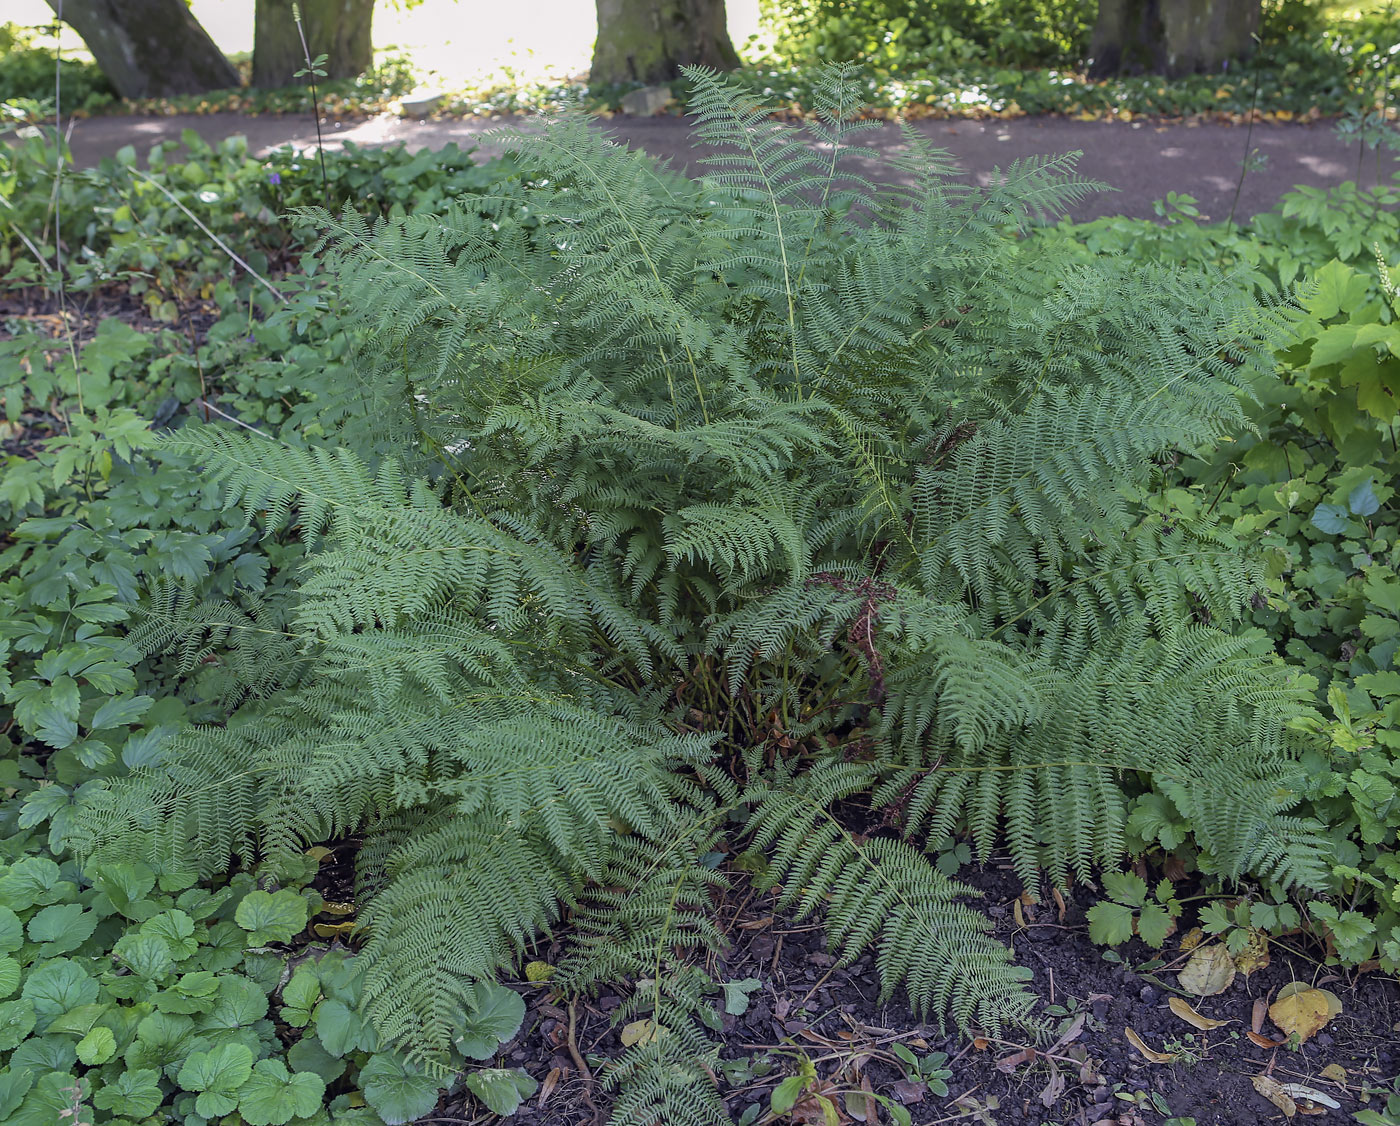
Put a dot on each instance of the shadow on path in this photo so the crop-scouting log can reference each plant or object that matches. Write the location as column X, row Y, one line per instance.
column 1142, row 160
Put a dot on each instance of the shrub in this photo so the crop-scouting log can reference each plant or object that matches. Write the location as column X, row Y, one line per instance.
column 771, row 512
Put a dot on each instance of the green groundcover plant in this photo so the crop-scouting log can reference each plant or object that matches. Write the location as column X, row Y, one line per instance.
column 770, row 514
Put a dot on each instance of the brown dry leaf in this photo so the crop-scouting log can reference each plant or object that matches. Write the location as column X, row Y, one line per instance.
column 1273, row 1090
column 1008, row 1064
column 1192, row 938
column 1255, row 956
column 1303, row 1013
column 981, row 1043
column 547, row 1085
column 1209, row 971
column 909, row 1093
column 1193, row 1018
column 1335, row 1072
column 1264, row 1041
column 1059, row 902
column 1261, row 1010
column 1156, row 1057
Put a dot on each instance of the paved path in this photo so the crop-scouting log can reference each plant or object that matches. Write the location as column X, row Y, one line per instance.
column 1141, row 159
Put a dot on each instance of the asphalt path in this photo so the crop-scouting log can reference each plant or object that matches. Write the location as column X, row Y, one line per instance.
column 1141, row 160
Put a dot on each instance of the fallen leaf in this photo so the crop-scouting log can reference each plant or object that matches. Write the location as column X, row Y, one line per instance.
column 909, row 1093
column 1255, row 956
column 1193, row 1018
column 1298, row 1091
column 334, row 930
column 639, row 1032
column 1264, row 1041
column 981, row 1043
column 1192, row 938
column 319, row 853
column 1303, row 1013
column 1008, row 1064
column 1273, row 1090
column 1209, row 971
column 538, row 971
column 548, row 1084
column 1335, row 1072
column 328, row 908
column 1156, row 1057
column 1261, row 1010
column 1054, row 1088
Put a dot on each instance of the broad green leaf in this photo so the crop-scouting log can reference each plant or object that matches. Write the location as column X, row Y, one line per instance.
column 308, row 1054
column 1330, row 518
column 97, row 1047
column 273, row 1096
column 342, row 1031
column 1362, row 499
column 397, row 1088
column 9, row 975
column 134, row 1094
column 492, row 1016
column 120, row 711
column 217, row 1074
column 1125, row 887
column 271, row 916
column 146, row 955
column 17, row 1021
column 61, row 928
column 14, row 1085
column 177, row 929
column 299, row 997
column 1154, row 924
column 501, row 1089
column 58, row 986
column 11, row 931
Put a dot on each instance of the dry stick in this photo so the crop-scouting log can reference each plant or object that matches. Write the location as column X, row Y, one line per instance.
column 58, row 205
column 217, row 240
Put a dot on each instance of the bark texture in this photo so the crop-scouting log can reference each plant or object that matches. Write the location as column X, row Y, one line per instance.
column 338, row 29
column 650, row 40
column 149, row 48
column 1171, row 37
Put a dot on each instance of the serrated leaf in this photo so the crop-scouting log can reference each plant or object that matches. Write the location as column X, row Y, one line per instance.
column 501, row 1089
column 736, row 995
column 1110, row 923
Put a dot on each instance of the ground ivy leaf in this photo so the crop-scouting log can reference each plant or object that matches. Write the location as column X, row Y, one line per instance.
column 217, row 1074
column 134, row 1094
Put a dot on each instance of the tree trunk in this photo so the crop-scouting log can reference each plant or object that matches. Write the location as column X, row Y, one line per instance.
column 650, row 40
column 149, row 48
column 338, row 29
column 1171, row 37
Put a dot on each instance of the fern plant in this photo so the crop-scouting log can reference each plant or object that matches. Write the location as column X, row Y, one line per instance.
column 775, row 507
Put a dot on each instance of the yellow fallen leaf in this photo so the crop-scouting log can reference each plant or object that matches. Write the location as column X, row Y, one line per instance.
column 319, row 853
column 1273, row 1091
column 334, row 930
column 1155, row 1057
column 538, row 971
column 329, row 908
column 639, row 1032
column 1192, row 939
column 1209, row 971
column 1335, row 1072
column 1255, row 956
column 1193, row 1018
column 1304, row 1013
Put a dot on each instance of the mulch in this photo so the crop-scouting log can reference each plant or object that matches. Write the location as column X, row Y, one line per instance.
column 1083, row 1071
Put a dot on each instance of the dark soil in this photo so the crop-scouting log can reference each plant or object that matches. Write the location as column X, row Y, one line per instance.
column 807, row 1004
